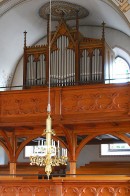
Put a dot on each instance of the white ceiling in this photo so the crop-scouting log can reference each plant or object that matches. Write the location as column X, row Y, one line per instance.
column 16, row 16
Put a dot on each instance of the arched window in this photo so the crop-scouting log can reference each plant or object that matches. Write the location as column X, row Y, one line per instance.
column 121, row 71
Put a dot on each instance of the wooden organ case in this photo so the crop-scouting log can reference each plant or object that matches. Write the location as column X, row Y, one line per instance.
column 75, row 59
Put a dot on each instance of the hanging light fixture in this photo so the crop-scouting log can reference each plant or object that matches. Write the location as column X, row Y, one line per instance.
column 47, row 153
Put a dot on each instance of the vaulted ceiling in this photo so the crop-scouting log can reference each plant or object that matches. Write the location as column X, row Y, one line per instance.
column 16, row 16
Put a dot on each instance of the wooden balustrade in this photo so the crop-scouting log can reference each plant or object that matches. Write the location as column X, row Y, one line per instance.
column 72, row 186
column 70, row 105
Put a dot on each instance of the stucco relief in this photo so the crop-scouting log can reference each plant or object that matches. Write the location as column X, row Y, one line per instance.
column 60, row 8
column 124, row 5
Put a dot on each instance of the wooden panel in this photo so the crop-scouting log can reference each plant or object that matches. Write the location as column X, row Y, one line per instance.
column 82, row 102
column 19, row 106
column 94, row 100
column 67, row 187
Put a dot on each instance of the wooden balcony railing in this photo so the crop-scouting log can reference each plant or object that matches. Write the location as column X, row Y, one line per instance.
column 70, row 105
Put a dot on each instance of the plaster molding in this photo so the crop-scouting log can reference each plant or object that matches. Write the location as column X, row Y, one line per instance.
column 123, row 5
column 61, row 8
column 6, row 5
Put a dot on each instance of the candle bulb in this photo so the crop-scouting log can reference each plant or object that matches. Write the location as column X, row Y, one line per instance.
column 66, row 152
column 48, row 123
column 58, row 153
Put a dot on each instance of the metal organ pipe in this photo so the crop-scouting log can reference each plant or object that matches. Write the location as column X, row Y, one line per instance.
column 58, row 62
column 32, row 70
column 85, row 65
column 70, row 71
column 74, row 65
column 54, row 67
column 88, row 66
column 63, row 63
column 63, row 69
column 62, row 57
column 100, row 68
column 44, row 70
column 40, row 70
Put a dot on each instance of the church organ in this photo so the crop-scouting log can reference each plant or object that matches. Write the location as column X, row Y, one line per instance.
column 75, row 59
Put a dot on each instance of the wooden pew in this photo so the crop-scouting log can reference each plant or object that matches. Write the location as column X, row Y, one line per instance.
column 104, row 168
column 31, row 171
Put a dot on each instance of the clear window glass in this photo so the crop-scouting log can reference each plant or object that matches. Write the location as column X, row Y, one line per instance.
column 120, row 71
column 120, row 149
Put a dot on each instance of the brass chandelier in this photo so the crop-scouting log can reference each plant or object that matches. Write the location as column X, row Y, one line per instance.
column 47, row 153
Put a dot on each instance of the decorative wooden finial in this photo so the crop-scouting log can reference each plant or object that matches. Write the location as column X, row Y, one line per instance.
column 48, row 23
column 77, row 23
column 103, row 30
column 25, row 38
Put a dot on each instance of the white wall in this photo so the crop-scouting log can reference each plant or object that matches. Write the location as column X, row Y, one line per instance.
column 91, row 153
column 22, row 158
column 3, row 156
column 113, row 37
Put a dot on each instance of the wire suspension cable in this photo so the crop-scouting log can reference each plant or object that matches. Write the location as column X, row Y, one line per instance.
column 49, row 104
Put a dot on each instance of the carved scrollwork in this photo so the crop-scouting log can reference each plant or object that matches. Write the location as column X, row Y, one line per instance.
column 92, row 102
column 23, row 106
column 22, row 190
column 79, row 189
column 96, row 190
